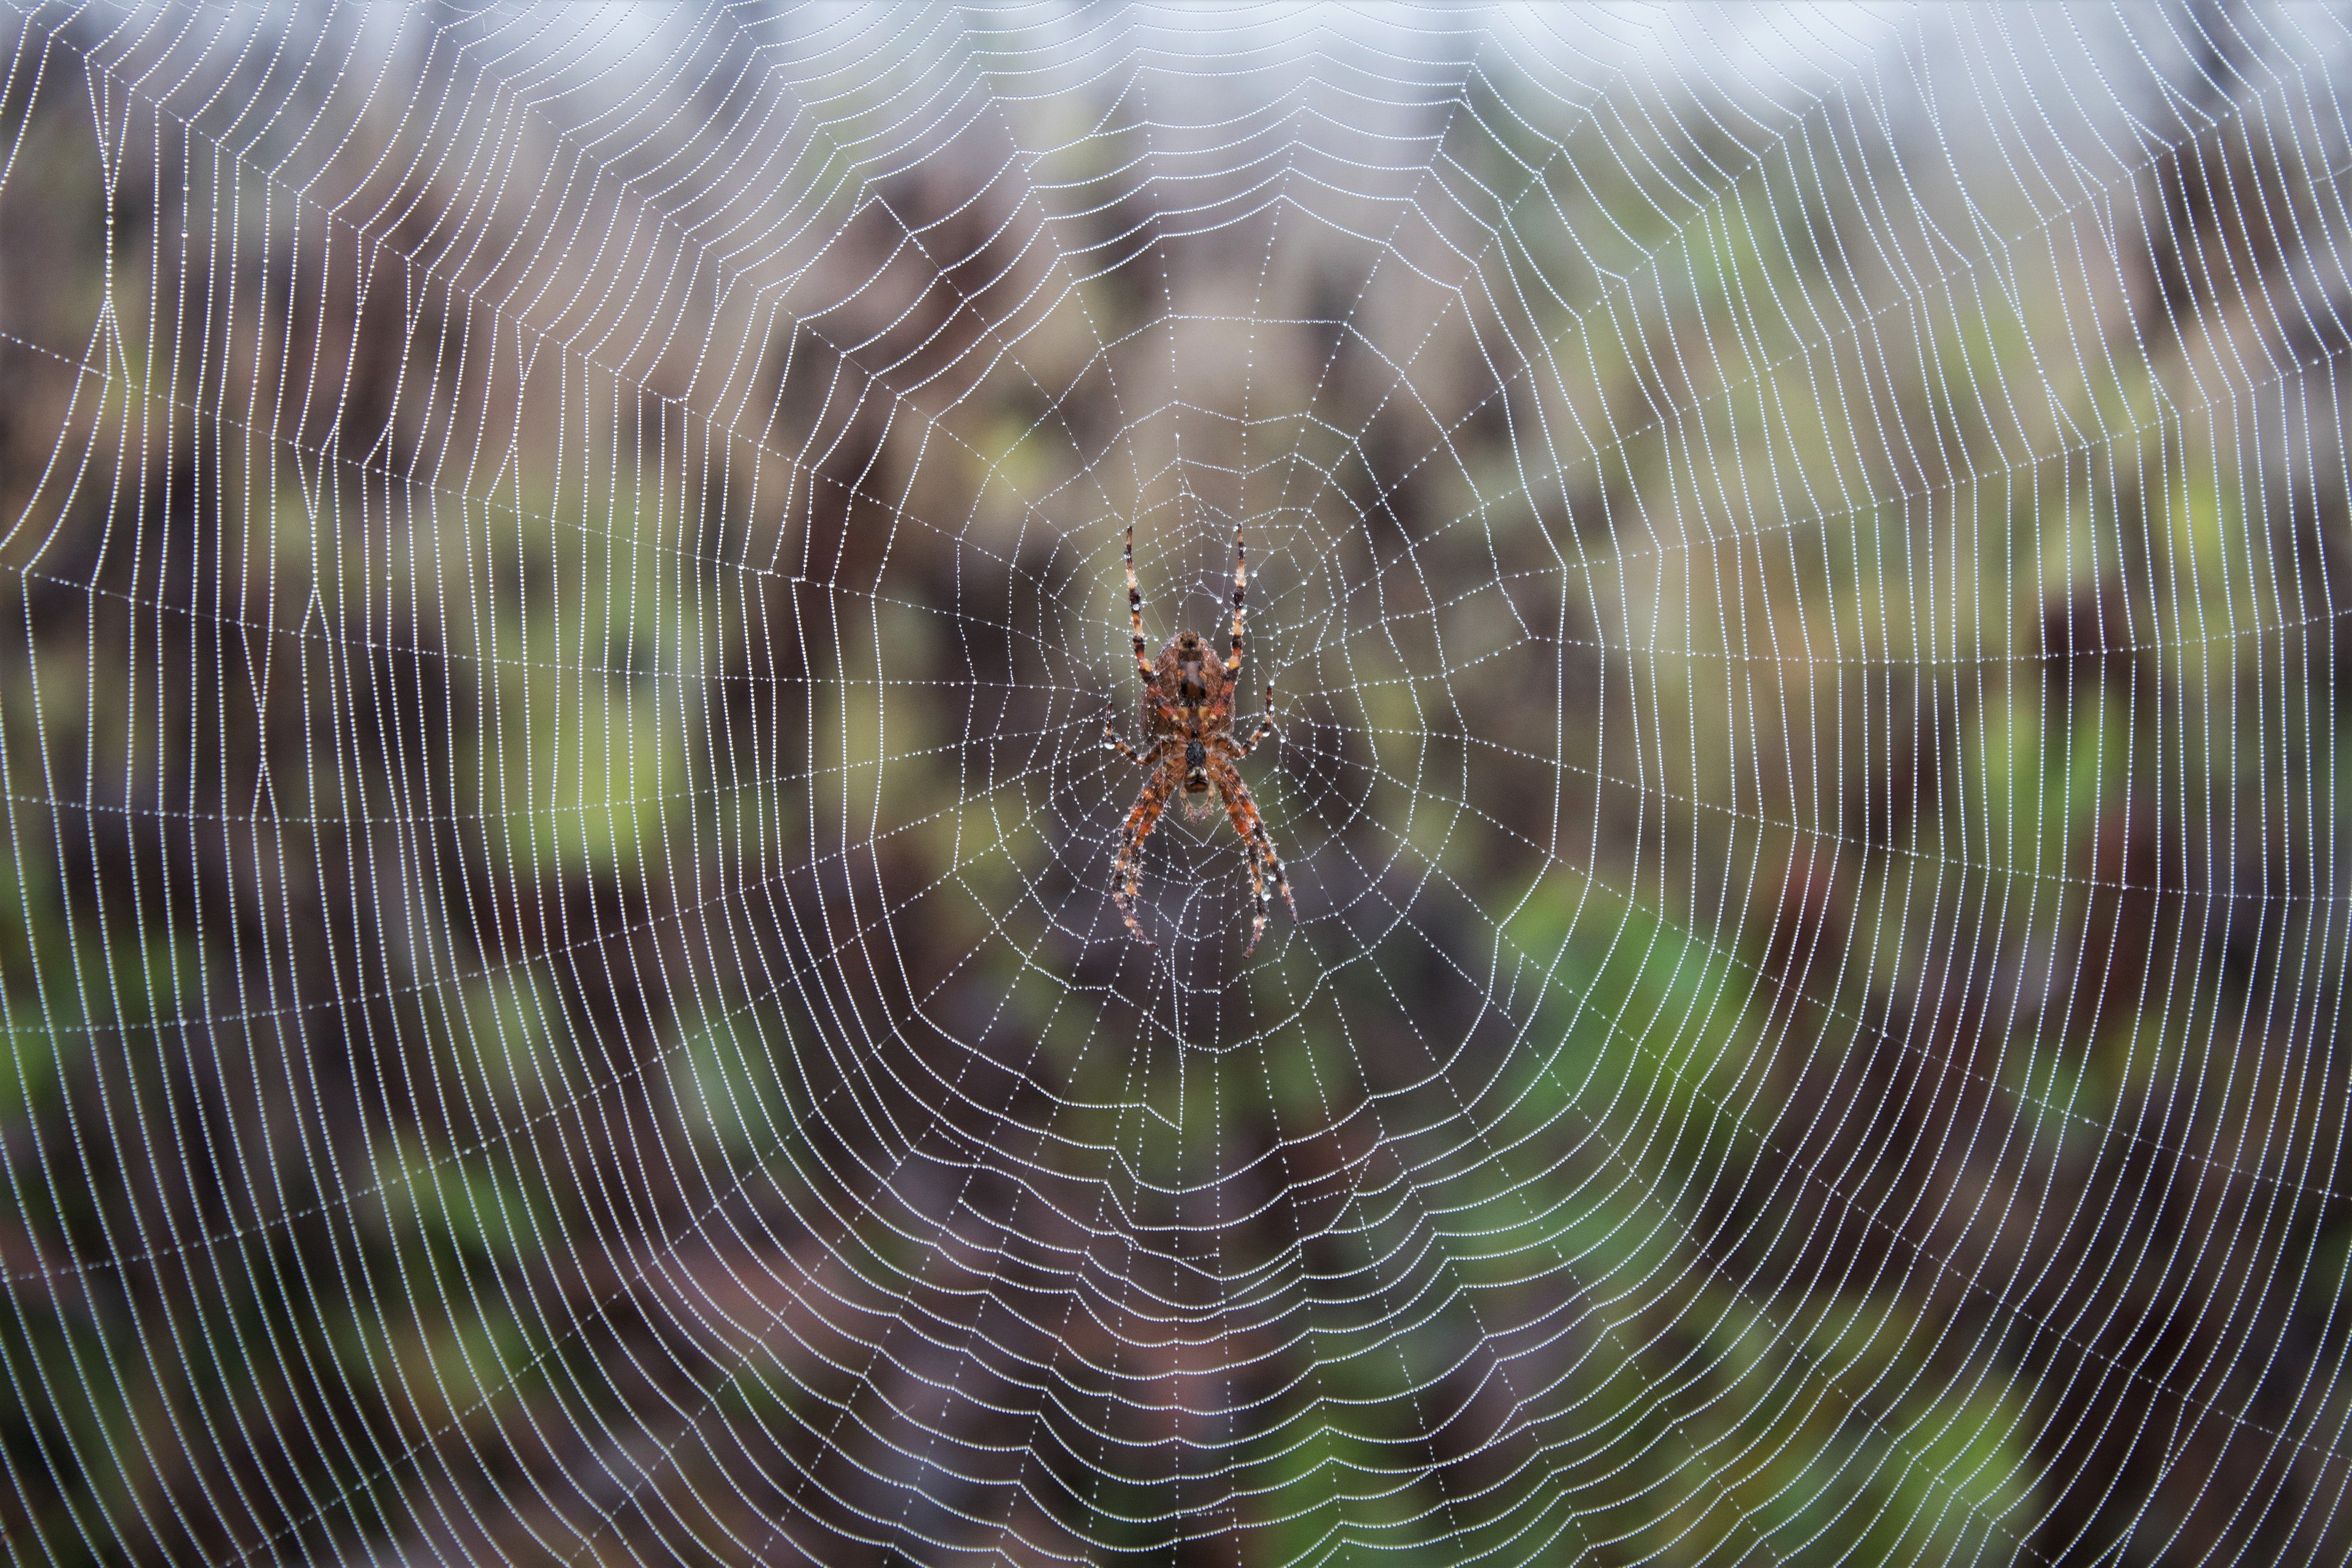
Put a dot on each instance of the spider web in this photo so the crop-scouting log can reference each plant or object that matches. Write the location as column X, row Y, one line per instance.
column 563, row 592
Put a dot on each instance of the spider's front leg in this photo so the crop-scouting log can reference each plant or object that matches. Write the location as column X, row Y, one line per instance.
column 1135, row 613
column 1241, row 587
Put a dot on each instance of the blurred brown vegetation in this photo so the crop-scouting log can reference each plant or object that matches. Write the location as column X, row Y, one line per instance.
column 562, row 997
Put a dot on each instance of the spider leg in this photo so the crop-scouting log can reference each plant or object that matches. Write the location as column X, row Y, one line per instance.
column 1241, row 583
column 1265, row 726
column 1144, row 759
column 1265, row 864
column 1135, row 612
column 1126, row 872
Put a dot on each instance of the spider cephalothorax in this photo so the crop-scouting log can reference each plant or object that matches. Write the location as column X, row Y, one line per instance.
column 1188, row 712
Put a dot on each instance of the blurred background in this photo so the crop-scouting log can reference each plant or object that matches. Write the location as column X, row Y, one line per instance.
column 563, row 589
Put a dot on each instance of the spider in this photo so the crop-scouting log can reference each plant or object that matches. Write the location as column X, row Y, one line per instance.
column 1188, row 712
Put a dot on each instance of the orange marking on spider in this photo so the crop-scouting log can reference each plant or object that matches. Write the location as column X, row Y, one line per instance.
column 1188, row 712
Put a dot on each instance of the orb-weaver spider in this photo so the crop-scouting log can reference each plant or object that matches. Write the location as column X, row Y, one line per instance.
column 1188, row 712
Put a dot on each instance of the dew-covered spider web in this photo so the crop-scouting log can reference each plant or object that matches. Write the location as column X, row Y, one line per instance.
column 563, row 596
